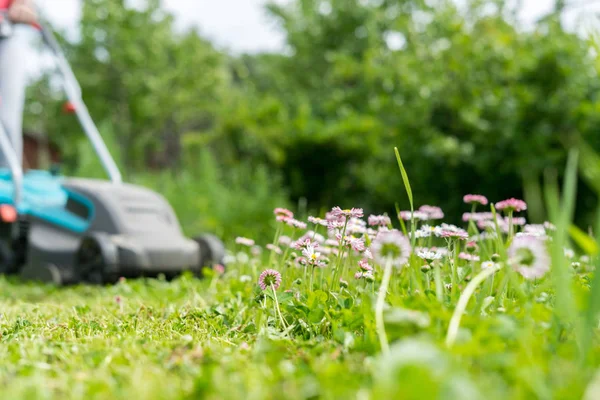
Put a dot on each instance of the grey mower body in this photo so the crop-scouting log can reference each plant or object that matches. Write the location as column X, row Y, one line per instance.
column 131, row 232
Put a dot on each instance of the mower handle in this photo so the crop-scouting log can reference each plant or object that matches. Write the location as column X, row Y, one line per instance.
column 73, row 92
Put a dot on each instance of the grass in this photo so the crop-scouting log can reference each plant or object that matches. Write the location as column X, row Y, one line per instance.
column 456, row 318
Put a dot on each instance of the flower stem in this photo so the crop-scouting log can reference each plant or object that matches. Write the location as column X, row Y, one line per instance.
column 463, row 301
column 454, row 276
column 277, row 307
column 387, row 273
column 275, row 242
column 510, row 225
column 438, row 282
column 340, row 255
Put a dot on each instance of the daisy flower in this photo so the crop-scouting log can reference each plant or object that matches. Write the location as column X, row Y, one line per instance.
column 317, row 221
column 569, row 253
column 511, row 204
column 312, row 256
column 295, row 223
column 364, row 265
column 432, row 212
column 283, row 212
column 418, row 215
column 301, row 244
column 244, row 241
column 475, row 199
column 427, row 231
column 468, row 257
column 478, row 216
column 529, row 256
column 274, row 248
column 357, row 244
column 452, row 231
column 333, row 225
column 391, row 247
column 379, row 220
column 429, row 255
column 268, row 278
column 488, row 264
column 285, row 240
column 337, row 212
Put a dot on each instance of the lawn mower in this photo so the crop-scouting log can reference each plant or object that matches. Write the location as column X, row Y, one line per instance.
column 68, row 230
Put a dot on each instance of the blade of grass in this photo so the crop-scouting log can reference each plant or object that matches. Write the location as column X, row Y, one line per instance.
column 551, row 194
column 583, row 240
column 593, row 306
column 565, row 304
column 405, row 179
column 410, row 195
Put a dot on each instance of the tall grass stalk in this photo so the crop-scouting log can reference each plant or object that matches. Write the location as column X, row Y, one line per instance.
column 461, row 306
column 385, row 282
column 593, row 305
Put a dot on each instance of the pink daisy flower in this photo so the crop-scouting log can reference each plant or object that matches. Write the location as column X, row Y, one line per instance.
column 379, row 220
column 304, row 243
column 391, row 247
column 332, row 225
column 364, row 265
column 357, row 244
column 480, row 216
column 296, row 224
column 283, row 212
column 468, row 257
column 332, row 242
column 511, row 204
column 347, row 213
column 317, row 221
column 418, row 215
column 432, row 212
column 285, row 240
column 268, row 278
column 312, row 257
column 452, row 231
column 475, row 199
column 529, row 256
column 274, row 248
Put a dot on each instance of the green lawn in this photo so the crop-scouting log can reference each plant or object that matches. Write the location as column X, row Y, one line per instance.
column 497, row 309
column 161, row 340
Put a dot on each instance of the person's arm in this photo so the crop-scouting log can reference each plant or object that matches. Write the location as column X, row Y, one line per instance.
column 22, row 11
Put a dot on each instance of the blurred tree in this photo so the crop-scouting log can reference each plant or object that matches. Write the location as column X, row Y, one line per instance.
column 150, row 82
column 473, row 102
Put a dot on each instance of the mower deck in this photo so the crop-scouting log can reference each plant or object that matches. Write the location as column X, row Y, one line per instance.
column 71, row 230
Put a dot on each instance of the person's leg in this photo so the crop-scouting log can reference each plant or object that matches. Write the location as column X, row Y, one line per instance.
column 13, row 82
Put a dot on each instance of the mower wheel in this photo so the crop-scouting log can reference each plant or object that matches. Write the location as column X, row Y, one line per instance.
column 212, row 250
column 95, row 254
column 7, row 259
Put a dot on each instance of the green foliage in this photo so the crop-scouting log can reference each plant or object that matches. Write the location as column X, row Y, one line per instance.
column 474, row 102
